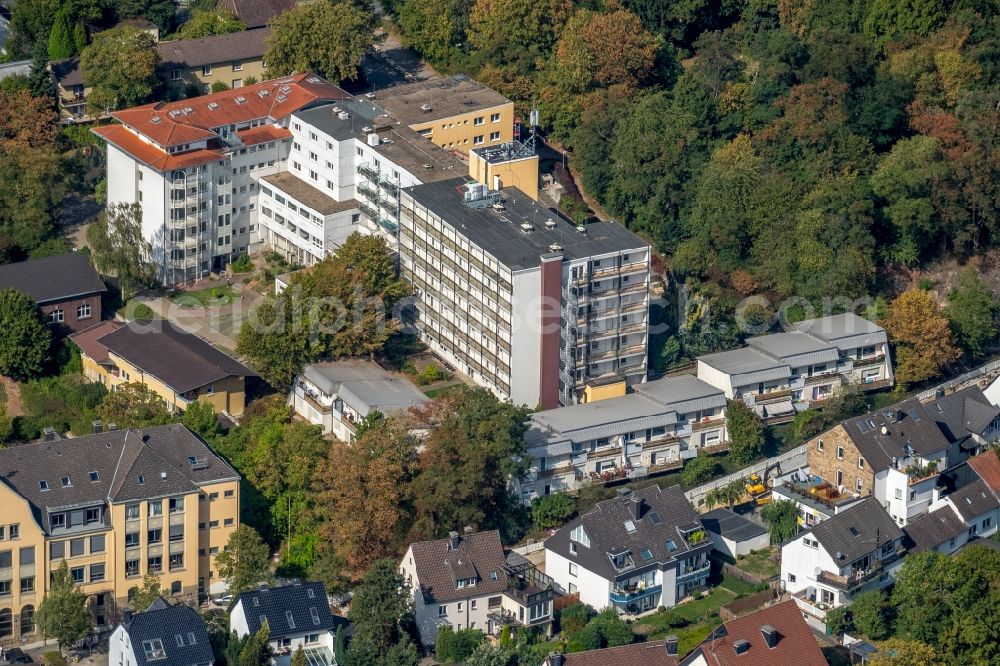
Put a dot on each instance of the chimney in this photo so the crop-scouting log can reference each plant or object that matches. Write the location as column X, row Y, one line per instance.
column 770, row 635
column 624, row 492
column 467, row 529
column 126, row 615
column 112, row 426
column 637, row 507
column 453, row 540
column 97, row 426
column 741, row 646
column 556, row 659
column 670, row 643
column 49, row 434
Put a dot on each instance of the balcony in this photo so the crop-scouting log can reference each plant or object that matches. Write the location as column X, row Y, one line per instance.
column 624, row 595
column 706, row 423
column 369, row 173
column 715, row 449
column 368, row 211
column 606, row 452
column 367, row 192
column 858, row 579
column 667, row 466
column 694, row 574
column 820, row 377
column 550, row 472
column 866, row 361
column 877, row 384
column 389, row 187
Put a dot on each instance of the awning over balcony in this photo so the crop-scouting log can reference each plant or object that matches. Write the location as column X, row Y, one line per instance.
column 775, row 409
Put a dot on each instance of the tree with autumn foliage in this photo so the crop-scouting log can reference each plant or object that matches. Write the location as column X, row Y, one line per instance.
column 362, row 496
column 921, row 336
column 120, row 66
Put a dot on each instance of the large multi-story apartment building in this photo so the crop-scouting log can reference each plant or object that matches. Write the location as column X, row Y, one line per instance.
column 776, row 372
column 651, row 431
column 515, row 296
column 326, row 164
column 194, row 167
column 114, row 506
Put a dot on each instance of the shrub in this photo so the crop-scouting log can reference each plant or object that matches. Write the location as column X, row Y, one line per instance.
column 54, row 658
column 551, row 511
column 430, row 374
column 242, row 264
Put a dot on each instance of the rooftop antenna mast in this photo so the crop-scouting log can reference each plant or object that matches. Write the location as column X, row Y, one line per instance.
column 533, row 121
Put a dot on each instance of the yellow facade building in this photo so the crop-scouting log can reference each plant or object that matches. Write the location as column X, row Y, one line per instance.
column 179, row 366
column 114, row 506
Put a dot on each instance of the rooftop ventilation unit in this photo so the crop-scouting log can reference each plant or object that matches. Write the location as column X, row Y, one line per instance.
column 241, row 100
column 343, row 115
column 741, row 646
column 581, row 229
column 212, row 106
column 555, row 247
column 281, row 98
column 370, row 95
column 314, row 79
column 263, row 93
column 285, row 89
column 373, row 139
column 550, row 223
column 187, row 110
column 174, row 113
column 366, row 129
column 425, row 108
column 335, row 109
column 526, row 227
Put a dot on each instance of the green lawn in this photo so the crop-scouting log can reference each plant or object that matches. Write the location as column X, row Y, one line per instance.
column 444, row 390
column 760, row 564
column 138, row 310
column 737, row 585
column 701, row 616
column 205, row 298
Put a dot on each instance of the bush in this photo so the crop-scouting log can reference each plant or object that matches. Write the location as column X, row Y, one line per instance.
column 54, row 658
column 697, row 471
column 552, row 511
column 242, row 264
column 430, row 374
column 456, row 646
column 573, row 618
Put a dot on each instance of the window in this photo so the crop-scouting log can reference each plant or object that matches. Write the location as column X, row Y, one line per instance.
column 77, row 574
column 819, row 445
column 580, row 536
column 15, row 531
column 206, row 70
column 131, row 539
column 96, row 572
column 573, row 569
column 494, row 136
column 212, row 524
column 176, row 504
column 156, row 508
column 176, row 533
column 861, row 463
column 176, row 561
column 478, row 121
column 27, row 556
column 840, row 478
column 97, row 544
column 228, row 522
column 57, row 550
column 94, row 476
column 55, row 316
column 131, row 567
column 6, row 559
column 859, row 484
column 76, row 547
column 314, row 614
column 57, row 520
column 4, row 592
column 83, row 311
column 899, row 494
column 175, row 75
column 131, row 512
column 472, row 604
column 791, row 578
column 442, row 611
column 477, row 140
column 647, row 554
column 237, row 66
column 312, row 638
column 154, row 563
column 27, row 584
column 495, row 118
column 840, row 453
column 154, row 536
column 154, row 649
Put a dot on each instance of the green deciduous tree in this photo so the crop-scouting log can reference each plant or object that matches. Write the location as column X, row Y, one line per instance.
column 729, row 494
column 552, row 511
column 118, row 247
column 25, row 340
column 746, row 432
column 246, row 561
column 898, row 652
column 972, row 308
column 381, row 608
column 63, row 615
column 697, row 471
column 502, row 40
column 781, row 517
column 921, row 335
column 888, row 20
column 868, row 614
column 120, row 66
column 328, row 38
column 435, row 28
column 134, row 405
column 299, row 657
column 487, row 654
column 207, row 23
column 147, row 594
column 201, row 419
column 465, row 467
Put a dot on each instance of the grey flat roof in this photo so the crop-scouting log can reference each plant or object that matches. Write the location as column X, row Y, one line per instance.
column 737, row 361
column 308, row 195
column 446, row 96
column 846, row 330
column 731, row 525
column 326, row 117
column 365, row 385
column 683, row 393
column 20, row 67
column 499, row 233
column 597, row 419
column 794, row 344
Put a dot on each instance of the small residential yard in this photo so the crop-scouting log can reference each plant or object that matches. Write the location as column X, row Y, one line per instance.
column 760, row 564
column 691, row 622
column 206, row 298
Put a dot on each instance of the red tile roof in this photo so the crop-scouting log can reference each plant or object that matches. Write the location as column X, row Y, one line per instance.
column 188, row 120
column 150, row 155
column 86, row 340
column 796, row 644
column 987, row 466
column 263, row 134
column 653, row 653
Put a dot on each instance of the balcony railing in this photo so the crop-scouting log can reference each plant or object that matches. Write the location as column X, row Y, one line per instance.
column 856, row 580
column 692, row 574
column 623, row 595
column 368, row 172
column 708, row 423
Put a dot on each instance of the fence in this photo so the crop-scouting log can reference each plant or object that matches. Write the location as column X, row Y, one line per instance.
column 982, row 371
column 566, row 600
column 794, row 459
column 530, row 547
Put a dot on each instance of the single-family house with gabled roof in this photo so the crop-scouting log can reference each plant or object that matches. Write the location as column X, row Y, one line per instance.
column 163, row 635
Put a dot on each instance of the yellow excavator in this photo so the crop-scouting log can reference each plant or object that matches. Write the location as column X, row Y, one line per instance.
column 757, row 490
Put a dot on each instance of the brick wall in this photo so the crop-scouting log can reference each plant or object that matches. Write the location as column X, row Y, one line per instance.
column 825, row 463
column 71, row 323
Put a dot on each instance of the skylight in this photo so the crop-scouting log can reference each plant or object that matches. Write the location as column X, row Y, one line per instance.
column 65, row 481
column 154, row 649
column 655, row 518
column 629, row 526
column 94, row 476
column 315, row 615
column 43, row 485
column 854, row 531
column 142, row 480
column 646, row 554
column 671, row 546
column 290, row 618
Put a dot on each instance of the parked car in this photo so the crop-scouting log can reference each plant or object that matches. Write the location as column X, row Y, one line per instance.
column 16, row 656
column 224, row 600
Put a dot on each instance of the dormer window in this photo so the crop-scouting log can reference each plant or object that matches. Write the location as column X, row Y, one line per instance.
column 43, row 485
column 65, row 481
column 580, row 536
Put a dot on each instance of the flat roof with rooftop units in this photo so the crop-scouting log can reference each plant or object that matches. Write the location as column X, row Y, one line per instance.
column 516, row 230
column 434, row 99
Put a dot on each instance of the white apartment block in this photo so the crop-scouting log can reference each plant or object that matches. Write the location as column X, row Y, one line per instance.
column 327, row 164
column 776, row 373
column 518, row 298
column 648, row 432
